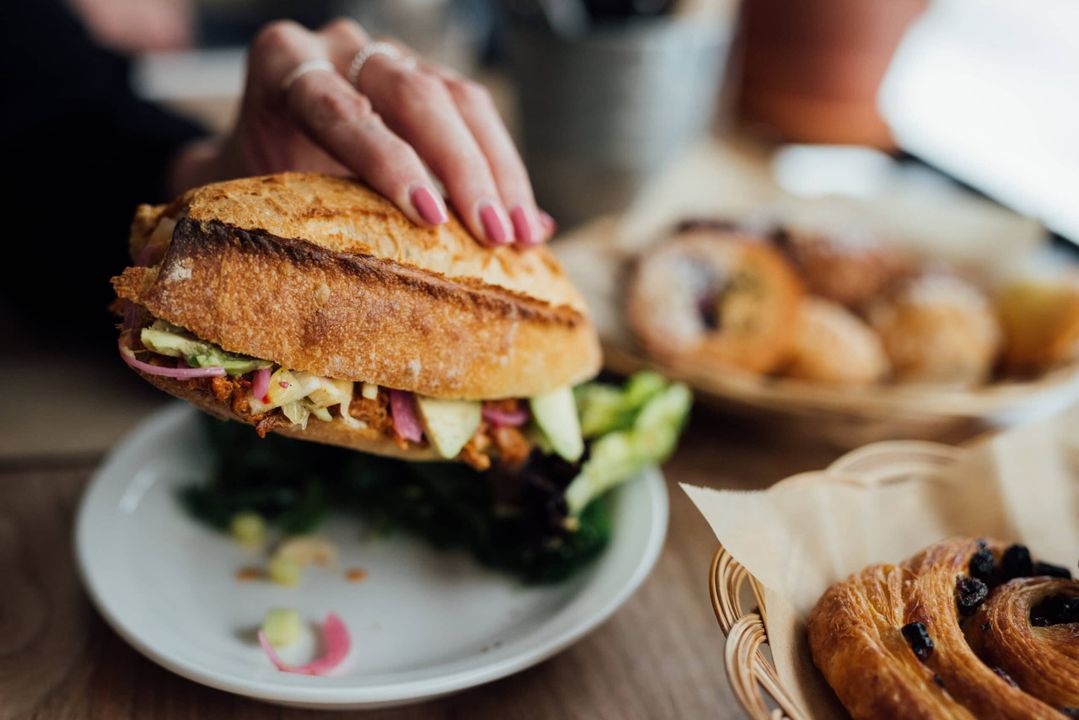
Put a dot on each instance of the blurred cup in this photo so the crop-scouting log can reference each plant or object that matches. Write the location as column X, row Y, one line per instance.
column 601, row 114
column 811, row 70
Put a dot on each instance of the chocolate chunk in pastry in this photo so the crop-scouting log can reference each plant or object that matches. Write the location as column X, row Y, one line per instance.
column 1016, row 563
column 1050, row 570
column 970, row 593
column 982, row 563
column 918, row 638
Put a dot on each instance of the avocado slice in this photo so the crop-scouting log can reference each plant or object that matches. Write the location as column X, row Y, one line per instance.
column 556, row 414
column 164, row 342
column 165, row 339
column 449, row 424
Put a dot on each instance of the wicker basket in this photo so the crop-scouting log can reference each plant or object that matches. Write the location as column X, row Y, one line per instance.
column 596, row 256
column 738, row 597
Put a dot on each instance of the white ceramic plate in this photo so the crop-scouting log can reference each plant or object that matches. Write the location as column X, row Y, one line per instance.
column 424, row 623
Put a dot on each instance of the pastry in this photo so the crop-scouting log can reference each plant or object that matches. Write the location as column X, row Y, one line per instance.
column 1029, row 628
column 1041, row 323
column 833, row 345
column 938, row 328
column 892, row 639
column 849, row 268
column 714, row 298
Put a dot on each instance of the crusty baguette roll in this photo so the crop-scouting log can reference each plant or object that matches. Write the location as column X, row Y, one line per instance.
column 321, row 274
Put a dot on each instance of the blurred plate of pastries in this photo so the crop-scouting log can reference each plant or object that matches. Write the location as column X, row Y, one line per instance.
column 904, row 316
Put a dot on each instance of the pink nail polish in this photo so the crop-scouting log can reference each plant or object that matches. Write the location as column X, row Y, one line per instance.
column 428, row 205
column 522, row 228
column 549, row 224
column 493, row 226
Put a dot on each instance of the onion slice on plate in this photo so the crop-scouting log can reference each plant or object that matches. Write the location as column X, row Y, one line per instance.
column 336, row 643
column 179, row 373
column 405, row 421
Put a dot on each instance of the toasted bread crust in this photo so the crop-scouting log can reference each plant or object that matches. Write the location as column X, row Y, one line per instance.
column 345, row 216
column 329, row 308
column 334, row 432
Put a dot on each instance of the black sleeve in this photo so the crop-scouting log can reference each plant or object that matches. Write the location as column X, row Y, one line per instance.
column 80, row 151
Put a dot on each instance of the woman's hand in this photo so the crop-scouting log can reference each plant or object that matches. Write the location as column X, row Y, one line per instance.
column 403, row 116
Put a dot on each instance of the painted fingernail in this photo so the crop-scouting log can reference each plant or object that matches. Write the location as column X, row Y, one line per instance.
column 549, row 225
column 522, row 227
column 494, row 225
column 429, row 205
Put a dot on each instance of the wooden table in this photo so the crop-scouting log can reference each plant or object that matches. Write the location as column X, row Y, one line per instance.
column 660, row 656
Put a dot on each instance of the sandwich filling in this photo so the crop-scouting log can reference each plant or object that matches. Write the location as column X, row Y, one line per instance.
column 268, row 395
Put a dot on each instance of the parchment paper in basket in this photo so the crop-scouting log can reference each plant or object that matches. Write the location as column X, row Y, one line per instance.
column 814, row 529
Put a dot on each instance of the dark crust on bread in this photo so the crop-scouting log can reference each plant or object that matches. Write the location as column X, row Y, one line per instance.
column 367, row 268
column 258, row 294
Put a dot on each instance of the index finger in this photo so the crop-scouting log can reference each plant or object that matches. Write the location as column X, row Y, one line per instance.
column 343, row 122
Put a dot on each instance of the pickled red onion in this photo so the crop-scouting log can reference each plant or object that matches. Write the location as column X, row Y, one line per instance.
column 405, row 422
column 335, row 641
column 505, row 418
column 260, row 384
column 179, row 373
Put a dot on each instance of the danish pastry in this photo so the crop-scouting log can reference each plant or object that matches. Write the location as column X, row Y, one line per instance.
column 892, row 640
column 712, row 297
column 1041, row 323
column 938, row 328
column 848, row 268
column 833, row 345
column 1029, row 628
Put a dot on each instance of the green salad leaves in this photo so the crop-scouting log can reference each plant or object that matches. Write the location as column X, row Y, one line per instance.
column 541, row 521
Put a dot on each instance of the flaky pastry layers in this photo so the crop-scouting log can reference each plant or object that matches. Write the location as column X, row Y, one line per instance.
column 857, row 637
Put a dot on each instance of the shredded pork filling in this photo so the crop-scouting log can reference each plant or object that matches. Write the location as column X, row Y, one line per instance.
column 296, row 398
column 509, row 444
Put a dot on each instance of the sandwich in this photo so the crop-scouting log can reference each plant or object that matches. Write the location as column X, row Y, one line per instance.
column 308, row 305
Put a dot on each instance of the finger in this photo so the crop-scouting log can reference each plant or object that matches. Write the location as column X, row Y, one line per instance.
column 343, row 37
column 345, row 124
column 418, row 107
column 550, row 227
column 278, row 48
column 478, row 110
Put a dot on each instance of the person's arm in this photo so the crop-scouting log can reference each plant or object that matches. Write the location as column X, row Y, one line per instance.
column 80, row 151
column 70, row 104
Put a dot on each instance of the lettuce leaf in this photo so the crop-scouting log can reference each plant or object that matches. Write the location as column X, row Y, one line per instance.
column 643, row 423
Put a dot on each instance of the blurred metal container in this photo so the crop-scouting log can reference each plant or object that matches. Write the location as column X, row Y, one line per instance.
column 601, row 114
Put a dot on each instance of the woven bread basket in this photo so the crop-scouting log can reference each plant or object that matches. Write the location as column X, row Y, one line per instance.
column 738, row 598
